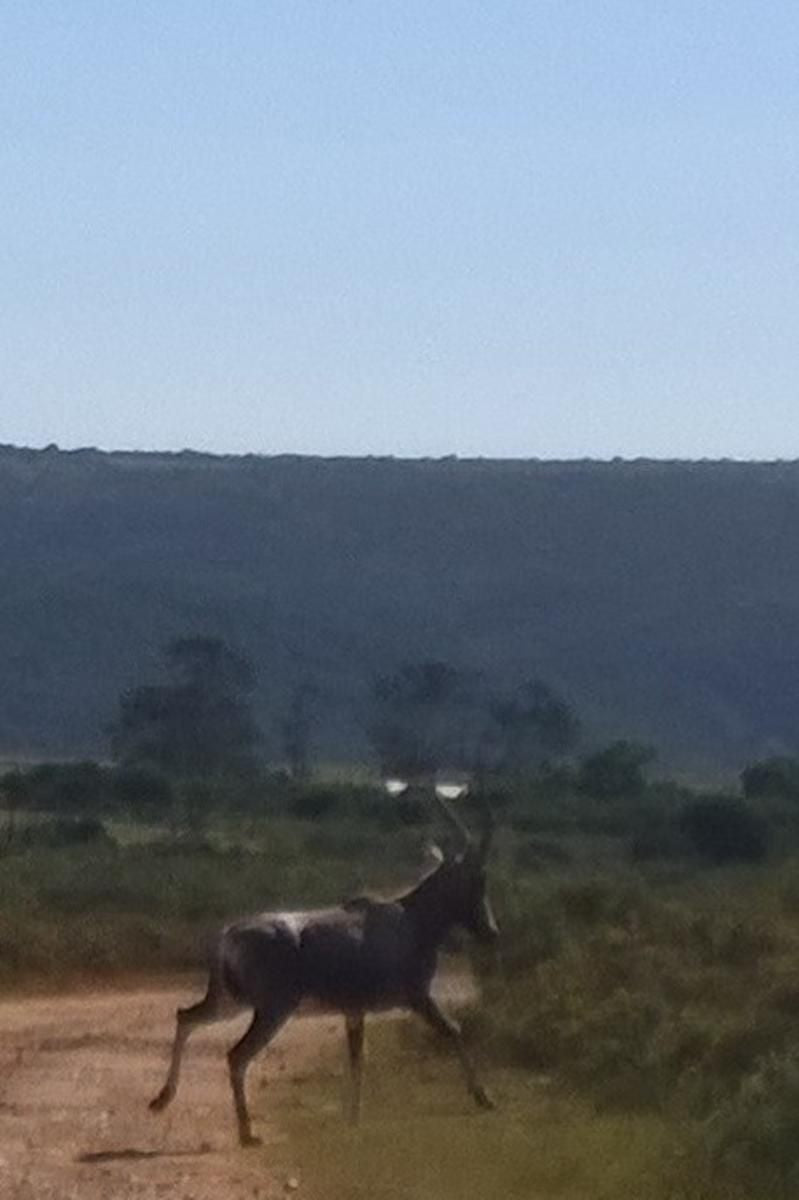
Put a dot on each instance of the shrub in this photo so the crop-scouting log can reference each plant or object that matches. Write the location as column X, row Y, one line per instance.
column 64, row 832
column 617, row 772
column 772, row 778
column 15, row 790
column 531, row 926
column 728, row 940
column 315, row 803
column 536, row 854
column 75, row 787
column 662, row 840
column 723, row 830
column 754, row 1136
column 607, row 902
column 143, row 791
column 586, row 1011
column 373, row 806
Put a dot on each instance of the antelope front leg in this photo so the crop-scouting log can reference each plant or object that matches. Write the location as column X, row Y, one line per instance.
column 427, row 1008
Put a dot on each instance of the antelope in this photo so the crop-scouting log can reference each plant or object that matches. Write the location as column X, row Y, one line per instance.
column 367, row 955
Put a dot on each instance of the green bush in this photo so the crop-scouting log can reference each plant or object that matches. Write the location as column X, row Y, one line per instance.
column 63, row 832
column 537, row 854
column 72, row 787
column 142, row 791
column 722, row 829
column 616, row 772
column 641, row 995
column 314, row 803
column 771, row 778
column 754, row 1135
column 661, row 840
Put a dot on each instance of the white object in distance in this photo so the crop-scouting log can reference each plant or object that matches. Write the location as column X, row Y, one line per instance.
column 451, row 791
column 395, row 787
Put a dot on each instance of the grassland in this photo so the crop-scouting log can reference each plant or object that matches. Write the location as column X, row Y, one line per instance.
column 640, row 1030
column 419, row 1139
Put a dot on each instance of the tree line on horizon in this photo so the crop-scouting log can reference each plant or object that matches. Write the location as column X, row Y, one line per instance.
column 189, row 742
column 424, row 717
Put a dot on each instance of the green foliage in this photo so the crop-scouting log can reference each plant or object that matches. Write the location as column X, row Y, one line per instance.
column 85, row 896
column 536, row 853
column 667, row 993
column 198, row 723
column 418, row 718
column 60, row 787
column 194, row 805
column 753, row 1136
column 296, row 726
column 429, row 715
column 527, row 728
column 773, row 778
column 75, row 789
column 315, row 803
column 616, row 772
column 659, row 840
column 722, row 829
column 142, row 791
column 420, row 1138
column 641, row 995
column 76, row 831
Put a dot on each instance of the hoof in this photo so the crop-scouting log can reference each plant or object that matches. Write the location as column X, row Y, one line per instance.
column 248, row 1140
column 160, row 1102
column 484, row 1101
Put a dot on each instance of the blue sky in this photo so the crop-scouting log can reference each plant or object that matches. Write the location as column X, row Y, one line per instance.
column 546, row 229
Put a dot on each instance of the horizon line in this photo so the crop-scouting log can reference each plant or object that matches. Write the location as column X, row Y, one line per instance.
column 53, row 448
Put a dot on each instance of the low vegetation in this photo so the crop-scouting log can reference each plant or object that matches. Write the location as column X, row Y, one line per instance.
column 640, row 1025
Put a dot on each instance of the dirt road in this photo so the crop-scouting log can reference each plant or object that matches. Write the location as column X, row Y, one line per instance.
column 76, row 1073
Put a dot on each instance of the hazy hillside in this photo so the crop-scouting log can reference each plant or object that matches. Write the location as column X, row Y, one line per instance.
column 663, row 598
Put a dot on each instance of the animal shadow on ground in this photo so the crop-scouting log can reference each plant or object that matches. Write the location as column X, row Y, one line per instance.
column 132, row 1154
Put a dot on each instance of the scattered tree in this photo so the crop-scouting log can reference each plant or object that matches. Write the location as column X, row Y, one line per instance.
column 616, row 772
column 296, row 728
column 530, row 727
column 13, row 795
column 418, row 718
column 143, row 791
column 722, row 829
column 198, row 723
column 773, row 778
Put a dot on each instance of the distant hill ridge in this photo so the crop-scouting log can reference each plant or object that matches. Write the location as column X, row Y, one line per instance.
column 661, row 597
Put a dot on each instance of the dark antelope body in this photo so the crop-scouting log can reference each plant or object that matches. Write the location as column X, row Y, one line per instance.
column 364, row 956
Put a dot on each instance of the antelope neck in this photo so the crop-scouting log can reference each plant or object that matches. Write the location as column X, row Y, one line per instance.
column 429, row 910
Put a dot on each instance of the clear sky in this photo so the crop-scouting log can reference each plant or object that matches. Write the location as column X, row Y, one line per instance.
column 534, row 228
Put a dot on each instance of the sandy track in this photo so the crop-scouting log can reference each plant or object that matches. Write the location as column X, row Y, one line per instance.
column 77, row 1071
